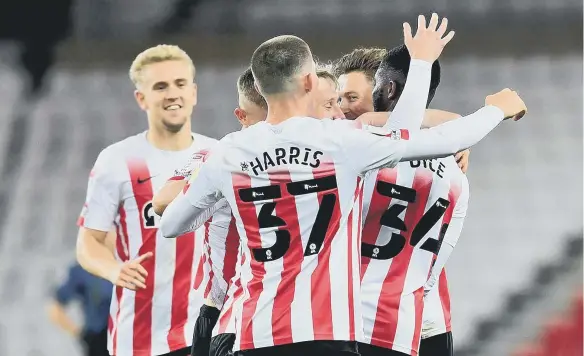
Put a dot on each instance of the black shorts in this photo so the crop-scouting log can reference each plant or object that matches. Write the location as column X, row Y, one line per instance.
column 206, row 321
column 307, row 348
column 372, row 350
column 438, row 345
column 222, row 345
column 95, row 344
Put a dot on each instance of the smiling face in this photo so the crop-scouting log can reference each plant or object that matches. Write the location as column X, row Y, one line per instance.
column 167, row 92
column 327, row 100
column 356, row 94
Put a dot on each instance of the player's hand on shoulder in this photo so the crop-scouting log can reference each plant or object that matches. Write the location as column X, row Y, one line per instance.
column 509, row 102
column 429, row 41
column 131, row 274
column 462, row 160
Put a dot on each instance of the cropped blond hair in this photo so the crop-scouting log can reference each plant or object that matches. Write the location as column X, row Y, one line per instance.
column 325, row 71
column 157, row 54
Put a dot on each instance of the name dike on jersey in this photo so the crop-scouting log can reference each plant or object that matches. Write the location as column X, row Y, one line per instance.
column 282, row 156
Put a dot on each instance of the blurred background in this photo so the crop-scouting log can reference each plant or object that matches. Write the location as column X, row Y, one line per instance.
column 516, row 274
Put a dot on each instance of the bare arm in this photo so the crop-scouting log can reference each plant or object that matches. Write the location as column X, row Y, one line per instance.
column 166, row 195
column 58, row 315
column 432, row 117
column 95, row 255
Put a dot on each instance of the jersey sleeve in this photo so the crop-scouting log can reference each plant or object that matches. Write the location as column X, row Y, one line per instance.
column 453, row 136
column 193, row 162
column 190, row 209
column 410, row 108
column 103, row 194
column 371, row 148
column 223, row 252
column 462, row 202
column 452, row 234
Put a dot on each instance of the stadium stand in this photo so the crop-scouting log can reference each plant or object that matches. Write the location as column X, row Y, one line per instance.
column 502, row 245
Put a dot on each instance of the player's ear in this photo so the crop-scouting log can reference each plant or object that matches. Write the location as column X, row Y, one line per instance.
column 140, row 99
column 310, row 82
column 241, row 116
column 391, row 90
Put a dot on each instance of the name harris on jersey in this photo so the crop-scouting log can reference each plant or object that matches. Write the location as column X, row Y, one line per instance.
column 282, row 156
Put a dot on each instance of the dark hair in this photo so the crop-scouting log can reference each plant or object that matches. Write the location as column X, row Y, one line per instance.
column 245, row 87
column 397, row 61
column 365, row 60
column 275, row 62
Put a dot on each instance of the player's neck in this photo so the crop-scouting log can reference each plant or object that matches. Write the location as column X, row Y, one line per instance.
column 280, row 110
column 170, row 141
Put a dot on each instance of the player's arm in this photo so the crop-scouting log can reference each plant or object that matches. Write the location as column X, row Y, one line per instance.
column 409, row 111
column 97, row 218
column 174, row 185
column 94, row 253
column 224, row 251
column 452, row 235
column 63, row 296
column 192, row 205
column 432, row 117
column 169, row 191
column 368, row 151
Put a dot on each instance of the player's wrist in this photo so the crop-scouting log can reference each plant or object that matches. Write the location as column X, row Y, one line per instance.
column 421, row 62
column 113, row 271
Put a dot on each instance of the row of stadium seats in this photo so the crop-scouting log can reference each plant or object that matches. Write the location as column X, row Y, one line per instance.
column 561, row 336
column 520, row 176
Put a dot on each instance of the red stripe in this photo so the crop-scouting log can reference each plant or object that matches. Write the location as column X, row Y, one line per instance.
column 356, row 197
column 445, row 299
column 387, row 316
column 185, row 249
column 404, row 134
column 176, row 178
column 208, row 260
column 124, row 227
column 377, row 207
column 322, row 314
column 200, row 274
column 237, row 293
column 419, row 311
column 248, row 215
column 231, row 251
column 291, row 265
column 142, row 337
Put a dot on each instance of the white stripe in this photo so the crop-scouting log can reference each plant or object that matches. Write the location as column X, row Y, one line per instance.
column 301, row 307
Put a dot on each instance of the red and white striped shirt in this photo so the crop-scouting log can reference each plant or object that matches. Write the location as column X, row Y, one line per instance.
column 160, row 318
column 216, row 268
column 407, row 211
column 437, row 318
column 292, row 188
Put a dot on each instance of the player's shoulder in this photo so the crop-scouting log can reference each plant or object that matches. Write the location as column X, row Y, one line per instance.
column 117, row 151
column 203, row 142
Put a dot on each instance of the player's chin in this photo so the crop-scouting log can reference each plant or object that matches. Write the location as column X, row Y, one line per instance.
column 174, row 124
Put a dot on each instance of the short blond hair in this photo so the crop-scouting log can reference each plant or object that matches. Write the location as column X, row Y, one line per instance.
column 157, row 54
column 325, row 71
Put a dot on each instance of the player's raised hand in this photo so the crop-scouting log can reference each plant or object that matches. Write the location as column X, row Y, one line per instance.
column 429, row 41
column 131, row 274
column 508, row 101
